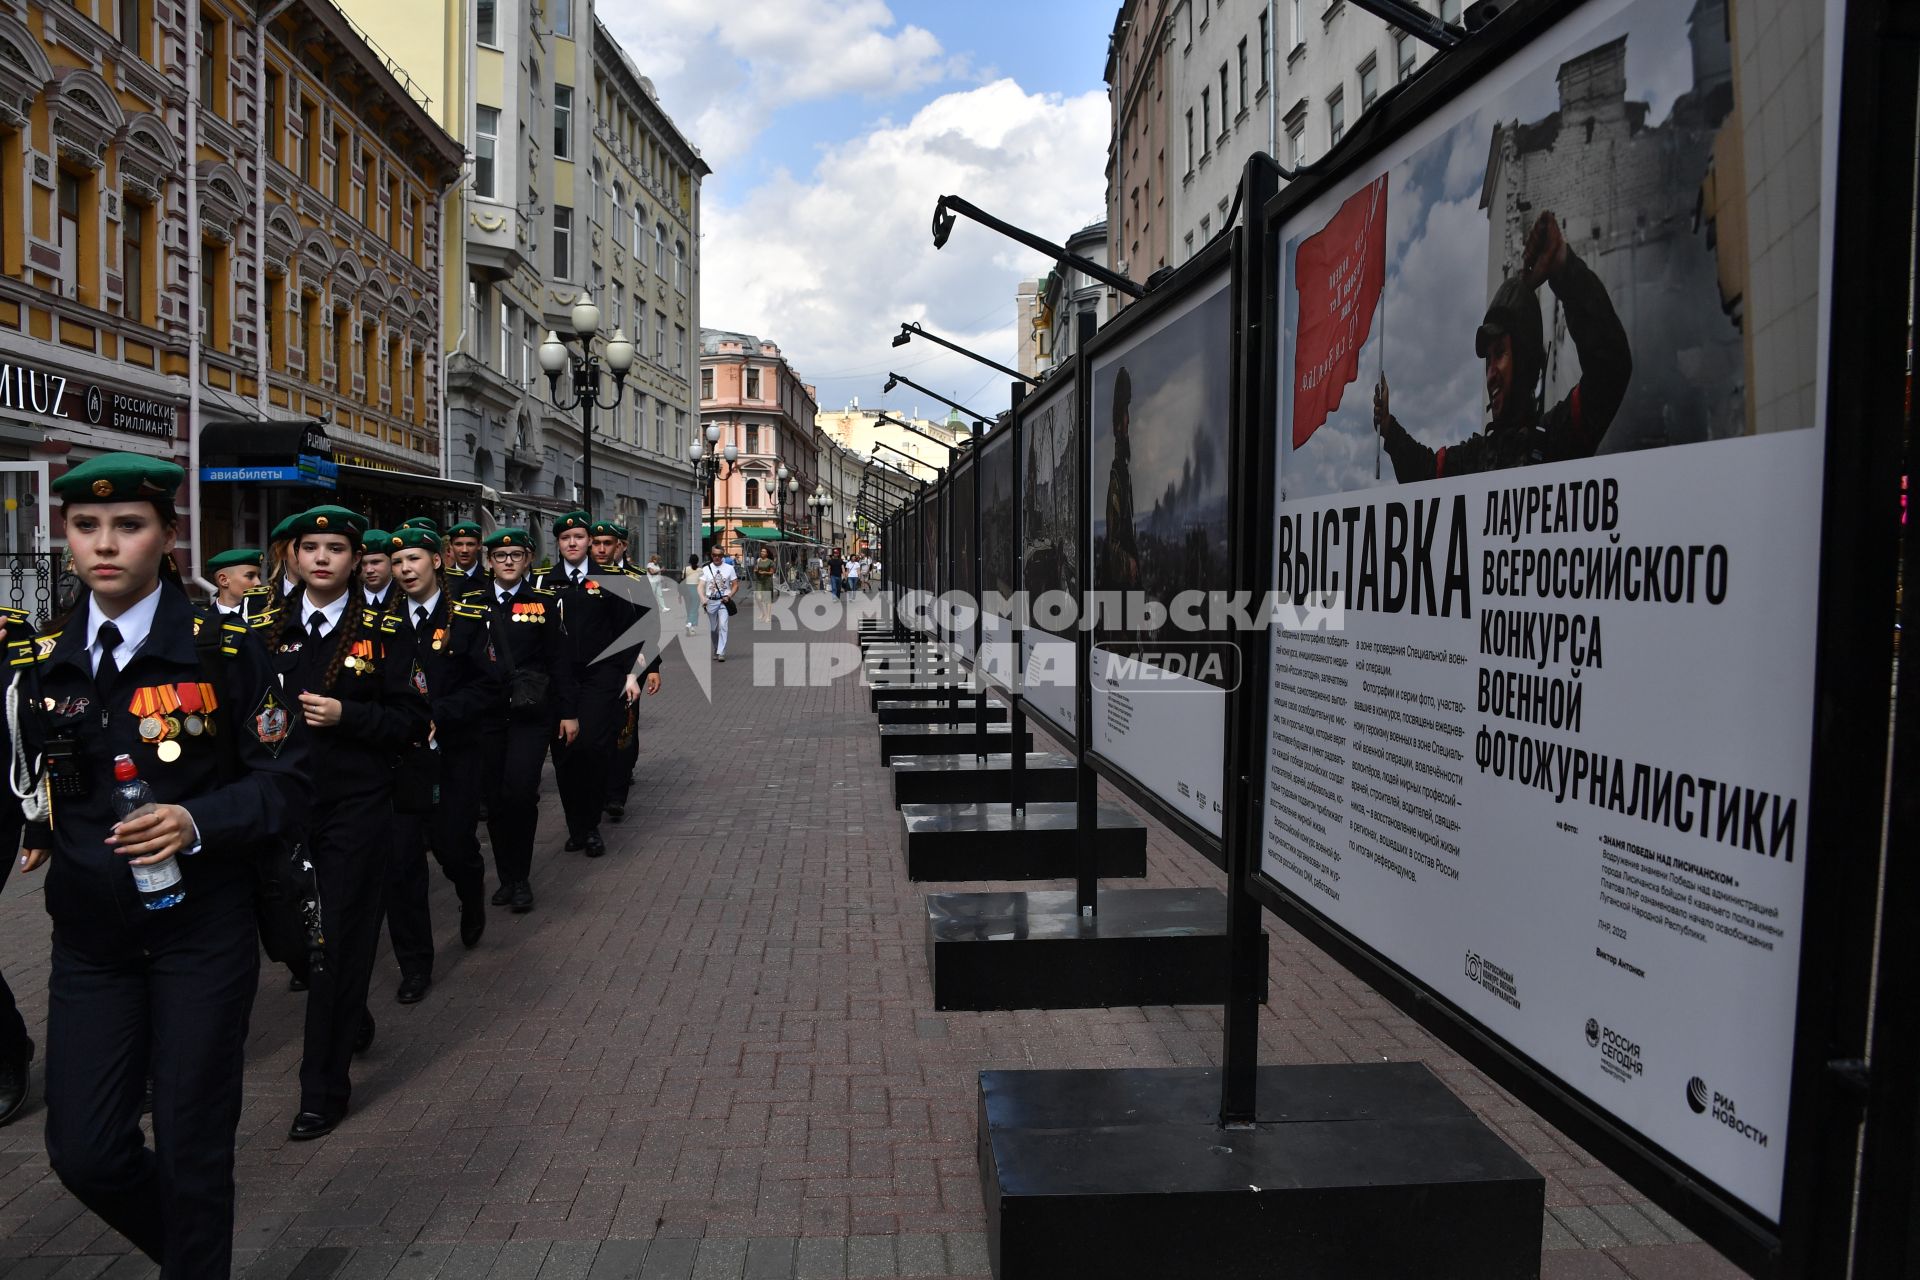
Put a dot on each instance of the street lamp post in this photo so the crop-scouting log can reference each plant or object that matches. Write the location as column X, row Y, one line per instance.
column 707, row 470
column 556, row 355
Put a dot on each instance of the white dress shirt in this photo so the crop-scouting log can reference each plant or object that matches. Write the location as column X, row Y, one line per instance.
column 135, row 624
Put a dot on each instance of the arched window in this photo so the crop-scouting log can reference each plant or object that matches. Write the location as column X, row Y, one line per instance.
column 753, row 492
column 639, row 233
column 660, row 249
column 619, row 212
column 681, row 277
column 599, row 209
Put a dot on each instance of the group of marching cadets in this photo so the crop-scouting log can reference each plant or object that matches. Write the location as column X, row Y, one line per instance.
column 285, row 710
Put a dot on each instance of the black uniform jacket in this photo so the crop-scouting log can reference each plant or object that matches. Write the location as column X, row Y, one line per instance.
column 595, row 618
column 464, row 689
column 529, row 630
column 382, row 707
column 244, row 782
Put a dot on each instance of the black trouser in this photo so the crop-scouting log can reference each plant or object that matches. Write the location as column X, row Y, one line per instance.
column 515, row 756
column 450, row 829
column 13, row 1028
column 352, row 843
column 178, row 1009
column 582, row 769
column 626, row 757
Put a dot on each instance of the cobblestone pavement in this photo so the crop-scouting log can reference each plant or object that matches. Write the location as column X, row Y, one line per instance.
column 712, row 1054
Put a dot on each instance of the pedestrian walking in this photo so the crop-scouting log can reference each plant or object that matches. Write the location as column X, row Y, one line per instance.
column 463, row 568
column 836, row 571
column 465, row 700
column 174, row 753
column 763, row 585
column 375, row 584
column 690, row 589
column 718, row 584
column 348, row 673
column 534, row 663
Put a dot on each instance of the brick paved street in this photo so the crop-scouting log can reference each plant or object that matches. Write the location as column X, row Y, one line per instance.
column 712, row 1054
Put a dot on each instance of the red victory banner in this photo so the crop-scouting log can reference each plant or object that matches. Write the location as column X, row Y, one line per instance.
column 1339, row 271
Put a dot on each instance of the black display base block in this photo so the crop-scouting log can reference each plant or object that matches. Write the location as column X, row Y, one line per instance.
column 1355, row 1171
column 935, row 713
column 935, row 779
column 887, row 691
column 1036, row 951
column 947, row 739
column 992, row 842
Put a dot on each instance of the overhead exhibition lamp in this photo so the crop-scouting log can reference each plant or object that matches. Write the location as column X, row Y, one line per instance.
column 925, row 435
column 895, row 380
column 911, row 330
column 943, row 220
column 881, row 444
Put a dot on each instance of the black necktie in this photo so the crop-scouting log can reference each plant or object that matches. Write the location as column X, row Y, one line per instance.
column 316, row 627
column 420, row 616
column 108, row 638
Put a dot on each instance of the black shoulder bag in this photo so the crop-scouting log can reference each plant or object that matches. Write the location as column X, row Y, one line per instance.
column 286, row 892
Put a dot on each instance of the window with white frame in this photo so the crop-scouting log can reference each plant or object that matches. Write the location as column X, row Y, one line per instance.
column 1403, row 55
column 1369, row 82
column 1336, row 116
column 563, row 241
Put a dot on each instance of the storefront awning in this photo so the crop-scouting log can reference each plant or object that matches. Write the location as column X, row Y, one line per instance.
column 424, row 488
column 294, row 452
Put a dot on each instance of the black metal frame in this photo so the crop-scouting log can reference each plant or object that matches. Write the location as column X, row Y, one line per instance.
column 1049, row 395
column 1868, row 307
column 1202, row 272
column 963, row 550
column 1005, row 441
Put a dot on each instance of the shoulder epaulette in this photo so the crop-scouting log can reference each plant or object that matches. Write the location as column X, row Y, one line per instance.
column 545, row 591
column 465, row 608
column 23, row 653
column 11, row 615
column 387, row 622
column 264, row 589
column 264, row 618
column 230, row 633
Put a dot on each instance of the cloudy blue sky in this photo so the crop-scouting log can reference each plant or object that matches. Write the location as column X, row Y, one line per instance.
column 832, row 126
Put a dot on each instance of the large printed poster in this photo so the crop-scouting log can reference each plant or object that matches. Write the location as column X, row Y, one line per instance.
column 1551, row 425
column 1158, row 422
column 1049, row 550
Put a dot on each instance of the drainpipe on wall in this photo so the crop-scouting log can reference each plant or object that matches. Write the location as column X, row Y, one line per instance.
column 191, row 32
column 260, row 191
column 1273, row 82
column 455, row 241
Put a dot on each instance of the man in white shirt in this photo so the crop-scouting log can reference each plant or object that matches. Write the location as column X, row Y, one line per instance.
column 718, row 582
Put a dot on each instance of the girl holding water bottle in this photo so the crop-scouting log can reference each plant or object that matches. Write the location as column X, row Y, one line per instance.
column 161, row 751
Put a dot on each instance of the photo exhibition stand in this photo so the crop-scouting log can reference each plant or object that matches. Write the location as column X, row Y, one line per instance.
column 1771, row 1136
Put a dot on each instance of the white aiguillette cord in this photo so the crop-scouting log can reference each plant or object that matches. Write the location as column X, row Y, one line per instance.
column 23, row 775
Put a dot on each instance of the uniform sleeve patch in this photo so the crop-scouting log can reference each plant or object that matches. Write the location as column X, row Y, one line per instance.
column 270, row 722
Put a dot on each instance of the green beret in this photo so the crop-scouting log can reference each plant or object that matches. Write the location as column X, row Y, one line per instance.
column 375, row 540
column 465, row 529
column 511, row 536
column 572, row 520
column 620, row 532
column 415, row 536
column 283, row 530
column 607, row 529
column 327, row 519
column 120, row 477
column 234, row 559
column 420, row 522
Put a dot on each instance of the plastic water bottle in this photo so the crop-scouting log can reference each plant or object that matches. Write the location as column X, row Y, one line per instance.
column 158, row 884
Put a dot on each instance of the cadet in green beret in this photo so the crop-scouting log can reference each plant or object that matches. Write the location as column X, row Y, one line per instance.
column 234, row 573
column 278, row 574
column 156, row 951
column 597, row 619
column 464, row 696
column 348, row 673
column 420, row 522
column 466, row 573
column 542, row 694
column 376, row 570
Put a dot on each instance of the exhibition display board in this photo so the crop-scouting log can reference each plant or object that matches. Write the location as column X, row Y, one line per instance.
column 1555, row 514
column 998, row 658
column 1049, row 551
column 1158, row 402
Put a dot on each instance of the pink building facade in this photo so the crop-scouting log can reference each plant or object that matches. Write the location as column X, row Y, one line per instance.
column 763, row 409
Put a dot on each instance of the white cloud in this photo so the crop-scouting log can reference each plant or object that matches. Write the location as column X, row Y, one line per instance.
column 829, row 263
column 722, row 71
